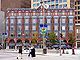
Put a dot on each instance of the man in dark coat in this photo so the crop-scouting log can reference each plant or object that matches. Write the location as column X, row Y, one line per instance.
column 33, row 52
column 20, row 52
column 20, row 49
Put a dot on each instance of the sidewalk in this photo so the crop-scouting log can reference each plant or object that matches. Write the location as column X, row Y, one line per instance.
column 49, row 52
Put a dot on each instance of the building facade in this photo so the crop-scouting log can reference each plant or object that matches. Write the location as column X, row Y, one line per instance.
column 15, row 4
column 77, row 21
column 53, row 3
column 22, row 23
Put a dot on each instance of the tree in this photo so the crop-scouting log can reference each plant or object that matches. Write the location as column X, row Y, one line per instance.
column 52, row 37
column 72, row 41
column 35, row 38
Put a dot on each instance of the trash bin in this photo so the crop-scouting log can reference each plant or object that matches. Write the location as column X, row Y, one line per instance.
column 44, row 51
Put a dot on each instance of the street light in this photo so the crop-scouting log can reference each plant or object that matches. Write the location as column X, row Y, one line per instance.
column 43, row 31
column 60, row 35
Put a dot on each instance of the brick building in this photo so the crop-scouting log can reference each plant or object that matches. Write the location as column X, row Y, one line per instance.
column 21, row 23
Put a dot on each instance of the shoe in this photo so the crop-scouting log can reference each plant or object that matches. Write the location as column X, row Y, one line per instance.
column 17, row 57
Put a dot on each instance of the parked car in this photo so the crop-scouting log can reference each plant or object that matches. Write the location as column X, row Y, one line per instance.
column 56, row 46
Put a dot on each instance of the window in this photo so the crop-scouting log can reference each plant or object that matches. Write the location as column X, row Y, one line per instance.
column 52, row 6
column 41, row 13
column 34, row 20
column 78, row 7
column 78, row 17
column 70, row 27
column 63, row 27
column 26, row 13
column 19, row 13
column 71, row 12
column 78, row 2
column 7, row 28
column 19, row 28
column 33, row 27
column 34, row 5
column 48, row 27
column 78, row 12
column 48, row 20
column 41, row 21
column 63, row 20
column 64, row 5
column 60, row 6
column 77, row 30
column 19, row 20
column 70, row 20
column 60, row 1
column 11, row 28
column 55, row 27
column 52, row 0
column 26, row 27
column 12, row 21
column 64, row 0
column 63, row 12
column 56, row 5
column 37, row 4
column 56, row 1
column 26, row 20
column 48, row 12
column 34, row 13
column 38, row 0
column 56, row 21
column 12, row 14
column 34, row 0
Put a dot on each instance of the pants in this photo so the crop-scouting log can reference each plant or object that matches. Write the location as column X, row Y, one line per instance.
column 19, row 56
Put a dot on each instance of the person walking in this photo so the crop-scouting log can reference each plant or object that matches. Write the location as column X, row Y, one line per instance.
column 29, row 51
column 20, row 52
column 33, row 52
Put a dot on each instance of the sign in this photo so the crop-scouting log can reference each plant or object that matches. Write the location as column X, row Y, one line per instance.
column 43, row 25
column 4, row 33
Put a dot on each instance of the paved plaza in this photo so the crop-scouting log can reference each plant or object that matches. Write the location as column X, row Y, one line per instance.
column 9, row 55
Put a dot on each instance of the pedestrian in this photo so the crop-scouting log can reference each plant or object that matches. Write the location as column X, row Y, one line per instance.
column 20, row 52
column 29, row 51
column 33, row 52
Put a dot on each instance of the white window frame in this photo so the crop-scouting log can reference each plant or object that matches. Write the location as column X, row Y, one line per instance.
column 48, row 27
column 71, row 27
column 56, row 20
column 55, row 27
column 19, row 21
column 33, row 27
column 34, row 20
column 48, row 20
column 26, row 27
column 26, row 20
column 70, row 20
column 63, row 27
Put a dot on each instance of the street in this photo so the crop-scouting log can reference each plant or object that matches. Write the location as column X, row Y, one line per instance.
column 4, row 55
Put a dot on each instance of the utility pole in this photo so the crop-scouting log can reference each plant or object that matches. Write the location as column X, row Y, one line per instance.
column 60, row 32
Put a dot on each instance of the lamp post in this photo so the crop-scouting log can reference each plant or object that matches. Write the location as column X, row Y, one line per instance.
column 43, row 31
column 60, row 32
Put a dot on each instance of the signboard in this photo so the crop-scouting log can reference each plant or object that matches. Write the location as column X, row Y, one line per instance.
column 43, row 28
